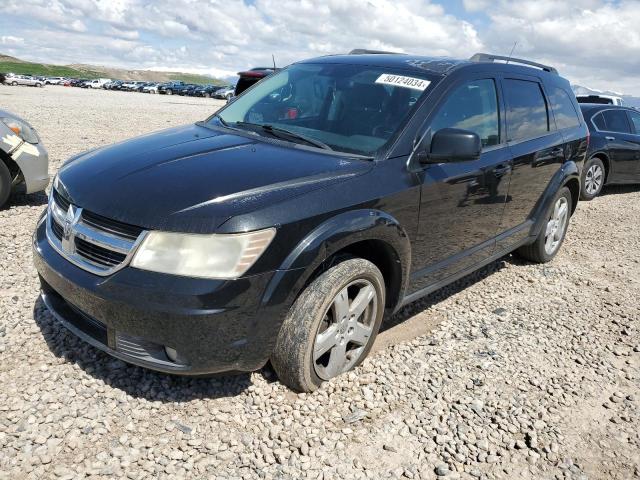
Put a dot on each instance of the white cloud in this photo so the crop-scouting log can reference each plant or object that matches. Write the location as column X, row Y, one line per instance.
column 11, row 40
column 591, row 41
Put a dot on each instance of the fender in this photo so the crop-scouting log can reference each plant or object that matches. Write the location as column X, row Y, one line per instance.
column 333, row 236
column 569, row 172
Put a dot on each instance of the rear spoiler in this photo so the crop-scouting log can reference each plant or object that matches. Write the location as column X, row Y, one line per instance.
column 364, row 51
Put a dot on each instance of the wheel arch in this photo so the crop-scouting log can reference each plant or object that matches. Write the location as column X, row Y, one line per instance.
column 370, row 234
column 604, row 158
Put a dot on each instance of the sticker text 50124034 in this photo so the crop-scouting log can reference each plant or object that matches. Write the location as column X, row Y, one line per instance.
column 401, row 81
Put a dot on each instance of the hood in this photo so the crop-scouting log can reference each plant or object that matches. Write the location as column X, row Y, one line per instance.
column 192, row 179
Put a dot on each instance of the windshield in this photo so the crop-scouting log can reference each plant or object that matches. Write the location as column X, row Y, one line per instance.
column 349, row 108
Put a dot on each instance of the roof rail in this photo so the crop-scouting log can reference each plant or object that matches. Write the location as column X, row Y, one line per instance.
column 488, row 57
column 364, row 51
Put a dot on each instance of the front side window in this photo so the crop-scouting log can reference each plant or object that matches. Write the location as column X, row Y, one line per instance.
column 563, row 109
column 635, row 119
column 616, row 121
column 349, row 108
column 473, row 107
column 527, row 115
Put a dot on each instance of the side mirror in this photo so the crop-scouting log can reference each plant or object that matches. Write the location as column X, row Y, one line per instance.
column 452, row 145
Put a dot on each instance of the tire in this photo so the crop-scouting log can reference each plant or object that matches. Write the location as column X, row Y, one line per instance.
column 169, row 92
column 207, row 95
column 5, row 183
column 314, row 313
column 544, row 249
column 593, row 178
column 228, row 96
column 38, row 84
column 14, row 84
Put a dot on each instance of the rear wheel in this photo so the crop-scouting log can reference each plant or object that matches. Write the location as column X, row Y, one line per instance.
column 5, row 183
column 331, row 327
column 593, row 177
column 14, row 83
column 169, row 92
column 553, row 232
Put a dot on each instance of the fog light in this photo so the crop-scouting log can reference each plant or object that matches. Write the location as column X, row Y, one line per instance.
column 171, row 353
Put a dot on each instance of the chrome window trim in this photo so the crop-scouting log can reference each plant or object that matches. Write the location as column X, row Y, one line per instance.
column 91, row 235
column 624, row 109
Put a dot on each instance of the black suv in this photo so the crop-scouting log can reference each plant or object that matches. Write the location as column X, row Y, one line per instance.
column 614, row 147
column 171, row 88
column 283, row 227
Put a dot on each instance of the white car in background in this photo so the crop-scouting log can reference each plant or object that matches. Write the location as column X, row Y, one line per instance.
column 99, row 82
column 600, row 99
column 54, row 80
column 153, row 88
column 23, row 80
column 24, row 162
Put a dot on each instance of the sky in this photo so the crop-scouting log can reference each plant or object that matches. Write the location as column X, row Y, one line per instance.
column 594, row 43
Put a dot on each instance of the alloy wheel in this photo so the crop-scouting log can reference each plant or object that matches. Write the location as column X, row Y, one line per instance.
column 556, row 226
column 594, row 179
column 346, row 329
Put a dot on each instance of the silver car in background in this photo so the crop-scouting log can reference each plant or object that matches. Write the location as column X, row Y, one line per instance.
column 23, row 80
column 24, row 162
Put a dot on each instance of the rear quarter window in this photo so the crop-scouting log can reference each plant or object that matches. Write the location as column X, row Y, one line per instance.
column 527, row 115
column 599, row 122
column 563, row 108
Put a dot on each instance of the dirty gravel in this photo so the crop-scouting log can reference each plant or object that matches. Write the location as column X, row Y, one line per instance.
column 519, row 371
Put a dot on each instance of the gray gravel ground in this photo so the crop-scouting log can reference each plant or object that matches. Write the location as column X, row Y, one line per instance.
column 519, row 371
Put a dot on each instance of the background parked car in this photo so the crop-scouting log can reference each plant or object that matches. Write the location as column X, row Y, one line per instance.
column 225, row 92
column 206, row 90
column 601, row 99
column 250, row 77
column 98, row 83
column 614, row 147
column 24, row 80
column 171, row 88
column 150, row 88
column 24, row 162
column 77, row 82
column 54, row 80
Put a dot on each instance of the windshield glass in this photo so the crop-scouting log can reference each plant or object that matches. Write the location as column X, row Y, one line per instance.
column 350, row 108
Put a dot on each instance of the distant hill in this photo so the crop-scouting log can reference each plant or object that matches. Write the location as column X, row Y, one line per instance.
column 22, row 67
column 628, row 100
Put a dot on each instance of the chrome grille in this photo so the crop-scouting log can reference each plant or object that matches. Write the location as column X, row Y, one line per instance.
column 95, row 243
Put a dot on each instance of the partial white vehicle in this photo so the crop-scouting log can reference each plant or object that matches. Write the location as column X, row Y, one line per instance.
column 600, row 99
column 24, row 162
column 151, row 88
column 99, row 82
column 54, row 80
column 23, row 80
column 225, row 93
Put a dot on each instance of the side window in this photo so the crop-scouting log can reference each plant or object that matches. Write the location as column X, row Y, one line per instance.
column 617, row 121
column 527, row 115
column 472, row 106
column 563, row 109
column 635, row 119
column 599, row 121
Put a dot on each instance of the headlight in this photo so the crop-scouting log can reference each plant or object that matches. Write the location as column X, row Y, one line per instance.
column 24, row 131
column 203, row 256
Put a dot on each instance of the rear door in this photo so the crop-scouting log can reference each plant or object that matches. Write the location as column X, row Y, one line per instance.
column 634, row 118
column 622, row 144
column 537, row 148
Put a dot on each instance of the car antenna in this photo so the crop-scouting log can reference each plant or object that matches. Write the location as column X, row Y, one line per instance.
column 512, row 49
column 273, row 57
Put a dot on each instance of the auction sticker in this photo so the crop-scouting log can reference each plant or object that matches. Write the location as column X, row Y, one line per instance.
column 400, row 81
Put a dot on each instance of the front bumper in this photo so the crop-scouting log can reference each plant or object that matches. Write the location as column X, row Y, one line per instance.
column 214, row 325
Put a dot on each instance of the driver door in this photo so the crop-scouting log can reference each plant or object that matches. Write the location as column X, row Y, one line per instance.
column 462, row 203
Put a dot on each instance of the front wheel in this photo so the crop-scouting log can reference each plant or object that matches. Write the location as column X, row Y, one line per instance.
column 552, row 235
column 593, row 178
column 331, row 327
column 14, row 83
column 5, row 183
column 169, row 92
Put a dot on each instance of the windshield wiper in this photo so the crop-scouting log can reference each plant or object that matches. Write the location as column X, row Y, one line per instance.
column 277, row 131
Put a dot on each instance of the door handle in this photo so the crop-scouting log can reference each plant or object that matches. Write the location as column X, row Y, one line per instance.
column 611, row 139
